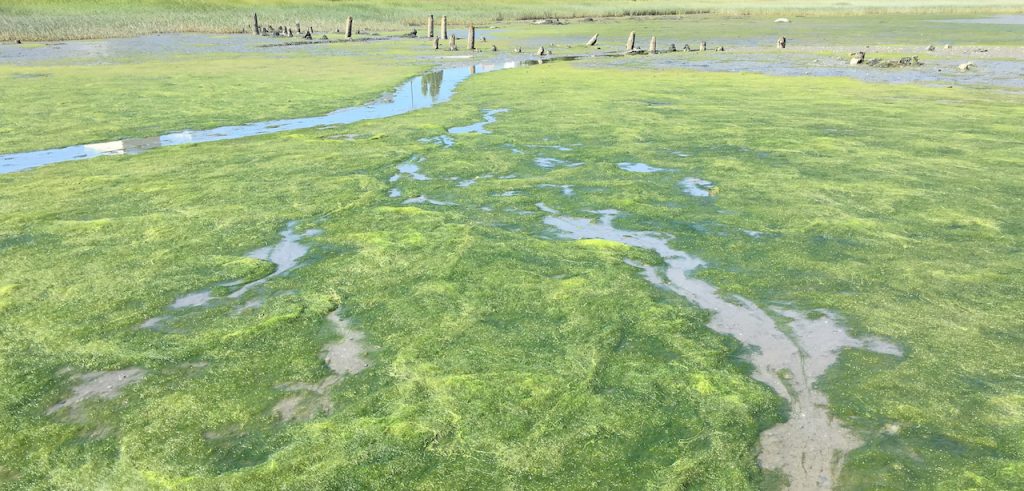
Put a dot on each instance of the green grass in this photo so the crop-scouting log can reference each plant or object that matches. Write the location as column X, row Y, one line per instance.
column 60, row 19
column 504, row 358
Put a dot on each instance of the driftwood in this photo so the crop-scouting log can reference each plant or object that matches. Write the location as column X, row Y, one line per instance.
column 631, row 42
column 472, row 37
column 430, row 27
column 781, row 43
column 592, row 41
column 348, row 27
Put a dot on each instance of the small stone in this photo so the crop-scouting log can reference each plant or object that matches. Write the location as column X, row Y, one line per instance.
column 931, row 47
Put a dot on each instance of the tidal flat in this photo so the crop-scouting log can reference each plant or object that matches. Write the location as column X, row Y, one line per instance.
column 581, row 270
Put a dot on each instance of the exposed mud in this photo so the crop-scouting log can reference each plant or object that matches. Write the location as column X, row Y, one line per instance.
column 810, row 447
column 344, row 357
column 97, row 385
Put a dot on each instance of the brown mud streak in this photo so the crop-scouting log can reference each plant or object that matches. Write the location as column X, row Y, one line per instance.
column 345, row 357
column 810, row 447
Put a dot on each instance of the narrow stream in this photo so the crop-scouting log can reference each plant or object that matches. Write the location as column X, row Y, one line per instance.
column 809, row 448
column 418, row 93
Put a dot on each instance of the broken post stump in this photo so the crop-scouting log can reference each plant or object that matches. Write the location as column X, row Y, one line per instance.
column 348, row 27
column 541, row 52
column 781, row 43
column 430, row 26
column 703, row 46
column 592, row 41
column 631, row 42
column 857, row 58
column 472, row 37
column 255, row 24
column 653, row 48
column 451, row 43
column 437, row 43
column 309, row 33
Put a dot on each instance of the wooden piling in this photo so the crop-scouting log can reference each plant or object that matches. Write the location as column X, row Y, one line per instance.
column 348, row 27
column 653, row 48
column 472, row 37
column 437, row 43
column 430, row 26
column 781, row 43
column 444, row 26
column 451, row 43
column 541, row 52
column 592, row 41
column 631, row 42
column 703, row 46
column 255, row 24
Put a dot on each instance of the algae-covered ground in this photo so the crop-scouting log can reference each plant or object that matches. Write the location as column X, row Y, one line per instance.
column 499, row 353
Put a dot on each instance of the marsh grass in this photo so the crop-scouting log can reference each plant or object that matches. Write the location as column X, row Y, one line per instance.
column 51, row 20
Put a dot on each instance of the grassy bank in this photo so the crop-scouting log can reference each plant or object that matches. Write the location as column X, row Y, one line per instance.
column 505, row 358
column 51, row 19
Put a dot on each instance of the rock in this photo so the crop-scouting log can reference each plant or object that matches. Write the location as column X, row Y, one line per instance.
column 857, row 58
column 17, row 42
column 931, row 47
column 782, row 20
column 966, row 66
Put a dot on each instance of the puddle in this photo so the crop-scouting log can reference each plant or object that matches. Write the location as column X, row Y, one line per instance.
column 425, row 200
column 546, row 209
column 285, row 255
column 418, row 93
column 809, row 448
column 567, row 189
column 490, row 116
column 697, row 187
column 395, row 193
column 638, row 167
column 442, row 140
column 98, row 385
column 344, row 357
column 410, row 168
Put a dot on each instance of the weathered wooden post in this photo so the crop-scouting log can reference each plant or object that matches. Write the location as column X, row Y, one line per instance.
column 437, row 43
column 672, row 48
column 653, row 48
column 703, row 45
column 592, row 41
column 444, row 26
column 255, row 24
column 451, row 44
column 781, row 43
column 348, row 27
column 298, row 27
column 430, row 26
column 541, row 52
column 631, row 42
column 472, row 37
